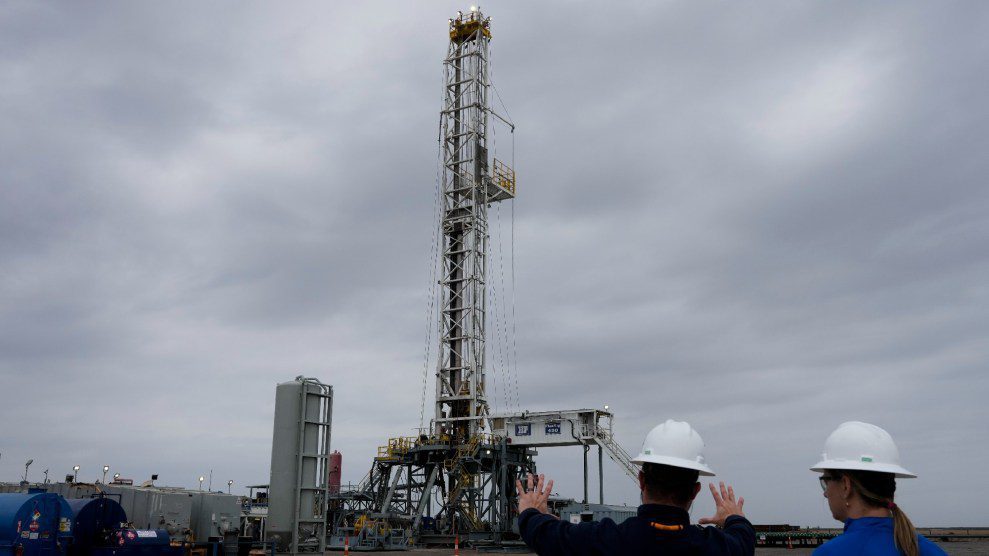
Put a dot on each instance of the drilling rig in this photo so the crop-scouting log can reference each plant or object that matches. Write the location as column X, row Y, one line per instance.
column 455, row 479
column 455, row 475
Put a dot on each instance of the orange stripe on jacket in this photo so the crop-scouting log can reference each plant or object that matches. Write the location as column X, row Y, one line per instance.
column 664, row 527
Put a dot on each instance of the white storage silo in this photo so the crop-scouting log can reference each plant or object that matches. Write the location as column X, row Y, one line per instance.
column 300, row 447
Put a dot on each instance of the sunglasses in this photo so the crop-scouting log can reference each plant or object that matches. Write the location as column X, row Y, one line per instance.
column 824, row 481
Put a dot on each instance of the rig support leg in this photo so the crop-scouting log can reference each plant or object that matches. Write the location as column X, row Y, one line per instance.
column 586, row 449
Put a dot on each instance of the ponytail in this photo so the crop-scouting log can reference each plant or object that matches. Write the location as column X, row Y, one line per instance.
column 876, row 490
column 904, row 533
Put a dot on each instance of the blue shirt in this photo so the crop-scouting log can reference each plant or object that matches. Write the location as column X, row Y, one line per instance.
column 657, row 529
column 871, row 536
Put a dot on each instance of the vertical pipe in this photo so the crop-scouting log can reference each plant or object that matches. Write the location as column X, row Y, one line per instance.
column 586, row 448
column 601, row 474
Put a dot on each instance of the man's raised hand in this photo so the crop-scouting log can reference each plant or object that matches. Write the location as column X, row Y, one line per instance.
column 535, row 496
column 725, row 505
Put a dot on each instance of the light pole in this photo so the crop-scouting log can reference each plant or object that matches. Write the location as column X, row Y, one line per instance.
column 116, row 476
column 26, row 465
column 46, row 476
column 230, row 484
column 105, row 469
column 75, row 473
column 201, row 479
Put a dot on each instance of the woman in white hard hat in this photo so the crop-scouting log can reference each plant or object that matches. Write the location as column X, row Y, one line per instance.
column 672, row 460
column 859, row 469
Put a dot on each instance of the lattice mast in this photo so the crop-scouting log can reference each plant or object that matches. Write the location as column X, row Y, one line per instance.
column 467, row 190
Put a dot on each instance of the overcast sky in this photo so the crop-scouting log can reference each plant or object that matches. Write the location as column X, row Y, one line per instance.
column 765, row 219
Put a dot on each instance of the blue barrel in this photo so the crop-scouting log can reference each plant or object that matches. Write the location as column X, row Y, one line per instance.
column 93, row 520
column 36, row 524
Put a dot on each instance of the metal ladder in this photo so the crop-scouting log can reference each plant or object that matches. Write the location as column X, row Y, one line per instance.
column 314, row 447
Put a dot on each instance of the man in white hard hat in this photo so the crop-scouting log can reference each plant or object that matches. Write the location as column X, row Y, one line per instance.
column 672, row 460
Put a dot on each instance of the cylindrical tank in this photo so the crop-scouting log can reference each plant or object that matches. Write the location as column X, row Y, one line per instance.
column 34, row 524
column 299, row 446
column 284, row 463
column 93, row 519
column 336, row 471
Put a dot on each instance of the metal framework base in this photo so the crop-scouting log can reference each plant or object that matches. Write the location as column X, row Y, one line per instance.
column 429, row 491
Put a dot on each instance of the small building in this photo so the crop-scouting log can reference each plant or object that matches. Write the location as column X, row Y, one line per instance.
column 575, row 513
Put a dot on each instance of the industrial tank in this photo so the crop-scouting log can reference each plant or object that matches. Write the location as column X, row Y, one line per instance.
column 34, row 524
column 300, row 449
column 75, row 490
column 93, row 520
column 215, row 515
column 156, row 508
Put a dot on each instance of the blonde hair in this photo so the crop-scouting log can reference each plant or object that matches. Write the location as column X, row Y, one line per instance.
column 876, row 490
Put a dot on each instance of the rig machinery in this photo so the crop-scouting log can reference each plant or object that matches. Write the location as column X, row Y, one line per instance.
column 455, row 479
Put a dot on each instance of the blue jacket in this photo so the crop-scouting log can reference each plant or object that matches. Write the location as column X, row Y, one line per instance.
column 656, row 530
column 871, row 536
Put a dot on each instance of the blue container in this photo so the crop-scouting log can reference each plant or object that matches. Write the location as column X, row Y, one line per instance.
column 37, row 524
column 93, row 521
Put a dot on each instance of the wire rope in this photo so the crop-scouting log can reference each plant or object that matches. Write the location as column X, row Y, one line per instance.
column 515, row 349
column 507, row 115
column 497, row 338
column 432, row 317
column 431, row 296
column 501, row 340
column 503, row 311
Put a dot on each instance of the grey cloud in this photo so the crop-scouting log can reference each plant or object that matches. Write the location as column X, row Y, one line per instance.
column 764, row 221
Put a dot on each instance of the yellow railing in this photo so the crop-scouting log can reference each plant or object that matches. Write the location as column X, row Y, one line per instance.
column 504, row 176
column 466, row 480
column 463, row 28
column 396, row 447
column 469, row 448
column 381, row 527
column 399, row 446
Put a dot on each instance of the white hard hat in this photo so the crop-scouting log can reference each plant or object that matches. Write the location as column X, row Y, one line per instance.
column 860, row 446
column 674, row 443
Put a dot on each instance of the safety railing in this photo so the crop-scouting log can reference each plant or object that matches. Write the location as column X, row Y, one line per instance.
column 503, row 176
column 396, row 447
column 617, row 453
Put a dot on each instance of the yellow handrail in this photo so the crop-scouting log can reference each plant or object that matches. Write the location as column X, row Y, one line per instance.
column 396, row 447
column 504, row 176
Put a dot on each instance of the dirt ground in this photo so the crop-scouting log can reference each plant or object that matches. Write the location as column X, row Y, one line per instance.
column 952, row 548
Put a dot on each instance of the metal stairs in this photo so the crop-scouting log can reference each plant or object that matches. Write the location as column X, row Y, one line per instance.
column 618, row 454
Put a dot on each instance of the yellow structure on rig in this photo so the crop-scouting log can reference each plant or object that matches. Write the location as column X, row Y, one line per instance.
column 464, row 27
